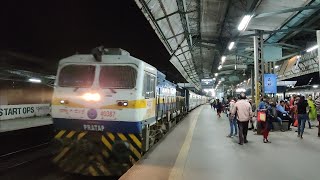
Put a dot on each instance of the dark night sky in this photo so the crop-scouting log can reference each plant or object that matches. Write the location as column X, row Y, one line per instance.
column 55, row 29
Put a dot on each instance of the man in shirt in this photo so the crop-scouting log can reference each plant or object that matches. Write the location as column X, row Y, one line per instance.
column 244, row 114
column 283, row 115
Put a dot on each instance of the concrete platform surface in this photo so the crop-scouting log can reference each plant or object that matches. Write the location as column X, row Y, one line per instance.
column 23, row 123
column 198, row 149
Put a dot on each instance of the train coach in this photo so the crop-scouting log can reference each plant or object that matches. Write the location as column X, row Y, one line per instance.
column 109, row 108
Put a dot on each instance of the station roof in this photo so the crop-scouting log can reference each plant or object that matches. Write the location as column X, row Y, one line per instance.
column 193, row 34
column 197, row 33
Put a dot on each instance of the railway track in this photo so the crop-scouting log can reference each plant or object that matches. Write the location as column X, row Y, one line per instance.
column 23, row 156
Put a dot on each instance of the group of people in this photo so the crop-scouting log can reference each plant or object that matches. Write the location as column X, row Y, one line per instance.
column 219, row 105
column 242, row 111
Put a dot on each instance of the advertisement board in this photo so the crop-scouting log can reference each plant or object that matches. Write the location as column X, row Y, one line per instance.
column 270, row 83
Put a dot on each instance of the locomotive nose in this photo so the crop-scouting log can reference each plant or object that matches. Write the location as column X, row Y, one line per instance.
column 121, row 150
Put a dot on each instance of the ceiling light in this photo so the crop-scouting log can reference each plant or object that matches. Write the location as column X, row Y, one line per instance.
column 35, row 80
column 276, row 67
column 240, row 90
column 244, row 22
column 315, row 86
column 312, row 48
column 244, row 81
column 216, row 74
column 231, row 45
column 223, row 59
column 220, row 66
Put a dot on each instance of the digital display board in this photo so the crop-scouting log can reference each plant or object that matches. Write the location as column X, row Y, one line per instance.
column 270, row 83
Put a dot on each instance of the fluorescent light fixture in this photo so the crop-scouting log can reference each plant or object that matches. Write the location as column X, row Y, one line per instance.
column 220, row 66
column 216, row 74
column 276, row 67
column 231, row 45
column 244, row 22
column 312, row 48
column 315, row 86
column 35, row 80
column 223, row 59
column 240, row 90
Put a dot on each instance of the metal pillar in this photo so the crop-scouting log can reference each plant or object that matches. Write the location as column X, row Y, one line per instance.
column 252, row 80
column 318, row 42
column 269, row 68
column 258, row 66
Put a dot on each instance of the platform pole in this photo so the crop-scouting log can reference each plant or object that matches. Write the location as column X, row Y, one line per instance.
column 252, row 85
column 258, row 66
column 318, row 42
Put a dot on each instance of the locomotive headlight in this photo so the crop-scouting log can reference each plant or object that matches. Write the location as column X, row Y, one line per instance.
column 123, row 103
column 91, row 96
column 64, row 101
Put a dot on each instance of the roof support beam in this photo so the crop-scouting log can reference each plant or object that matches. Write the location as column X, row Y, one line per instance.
column 286, row 11
column 278, row 31
column 175, row 35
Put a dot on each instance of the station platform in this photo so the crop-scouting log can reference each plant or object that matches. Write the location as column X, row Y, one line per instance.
column 197, row 148
column 24, row 123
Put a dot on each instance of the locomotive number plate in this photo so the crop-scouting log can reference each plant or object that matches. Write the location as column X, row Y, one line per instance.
column 108, row 114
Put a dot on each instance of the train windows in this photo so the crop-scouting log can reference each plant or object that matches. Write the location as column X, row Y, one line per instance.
column 119, row 77
column 149, row 86
column 76, row 76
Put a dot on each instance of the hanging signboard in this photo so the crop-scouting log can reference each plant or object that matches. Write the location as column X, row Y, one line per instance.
column 270, row 83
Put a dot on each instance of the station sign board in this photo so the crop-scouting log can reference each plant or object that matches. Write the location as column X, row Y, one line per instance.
column 270, row 83
column 23, row 111
column 207, row 82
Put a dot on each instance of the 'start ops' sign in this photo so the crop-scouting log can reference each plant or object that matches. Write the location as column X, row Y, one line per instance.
column 23, row 111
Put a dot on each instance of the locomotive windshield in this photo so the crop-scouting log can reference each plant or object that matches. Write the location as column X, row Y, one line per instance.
column 118, row 77
column 76, row 76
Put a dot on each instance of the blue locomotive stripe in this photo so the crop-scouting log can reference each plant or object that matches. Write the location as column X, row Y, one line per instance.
column 93, row 125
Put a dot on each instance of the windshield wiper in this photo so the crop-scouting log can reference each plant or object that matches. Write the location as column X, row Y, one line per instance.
column 112, row 90
column 76, row 89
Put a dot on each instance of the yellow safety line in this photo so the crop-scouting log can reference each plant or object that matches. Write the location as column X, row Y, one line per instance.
column 104, row 170
column 80, row 135
column 102, row 167
column 71, row 133
column 111, row 136
column 79, row 168
column 92, row 171
column 60, row 134
column 136, row 140
column 106, row 142
column 105, row 153
column 61, row 154
column 134, row 150
column 177, row 170
column 122, row 137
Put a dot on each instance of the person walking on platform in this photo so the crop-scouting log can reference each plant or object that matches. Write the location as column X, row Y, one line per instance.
column 211, row 102
column 302, row 106
column 242, row 110
column 317, row 103
column 312, row 111
column 232, row 119
column 219, row 108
